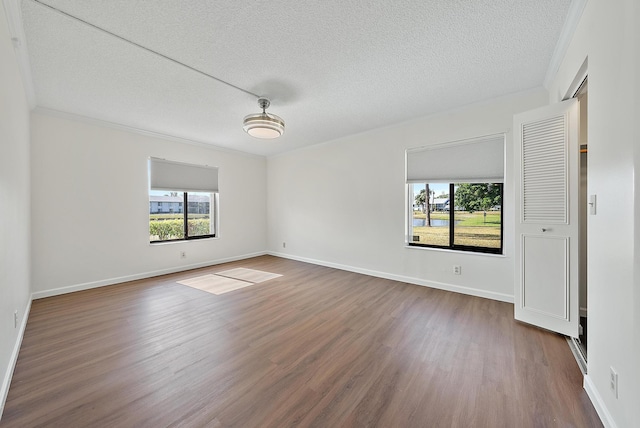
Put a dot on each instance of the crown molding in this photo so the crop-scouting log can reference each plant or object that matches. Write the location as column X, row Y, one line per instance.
column 18, row 37
column 568, row 29
column 140, row 131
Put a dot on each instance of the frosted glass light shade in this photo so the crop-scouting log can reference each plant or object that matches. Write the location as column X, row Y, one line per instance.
column 263, row 125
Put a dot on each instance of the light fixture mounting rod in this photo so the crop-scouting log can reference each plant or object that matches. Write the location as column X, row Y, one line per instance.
column 264, row 104
column 143, row 47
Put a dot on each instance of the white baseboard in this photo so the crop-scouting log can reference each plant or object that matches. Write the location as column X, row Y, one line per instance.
column 411, row 280
column 8, row 375
column 598, row 403
column 126, row 278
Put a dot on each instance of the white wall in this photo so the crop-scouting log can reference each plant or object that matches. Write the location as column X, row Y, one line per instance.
column 609, row 35
column 14, row 207
column 90, row 208
column 342, row 203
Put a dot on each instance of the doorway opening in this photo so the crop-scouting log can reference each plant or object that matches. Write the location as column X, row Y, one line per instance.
column 580, row 342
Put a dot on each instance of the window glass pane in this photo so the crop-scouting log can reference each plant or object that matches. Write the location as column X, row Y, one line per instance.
column 199, row 214
column 477, row 215
column 166, row 218
column 430, row 216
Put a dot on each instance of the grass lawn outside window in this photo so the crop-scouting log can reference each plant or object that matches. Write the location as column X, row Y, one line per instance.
column 471, row 229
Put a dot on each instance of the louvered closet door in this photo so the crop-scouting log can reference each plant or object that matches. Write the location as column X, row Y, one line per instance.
column 547, row 176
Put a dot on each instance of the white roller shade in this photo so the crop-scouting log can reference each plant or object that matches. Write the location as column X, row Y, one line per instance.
column 182, row 177
column 480, row 160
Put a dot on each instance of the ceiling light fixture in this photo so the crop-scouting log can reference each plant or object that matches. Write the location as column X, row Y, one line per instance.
column 263, row 125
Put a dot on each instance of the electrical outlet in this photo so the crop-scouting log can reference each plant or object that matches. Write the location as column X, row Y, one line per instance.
column 183, row 254
column 613, row 381
column 457, row 270
column 284, row 245
column 15, row 319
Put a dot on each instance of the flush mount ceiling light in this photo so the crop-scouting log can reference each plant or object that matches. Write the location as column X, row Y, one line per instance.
column 263, row 125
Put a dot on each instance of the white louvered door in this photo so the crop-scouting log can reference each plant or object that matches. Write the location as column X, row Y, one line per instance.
column 547, row 179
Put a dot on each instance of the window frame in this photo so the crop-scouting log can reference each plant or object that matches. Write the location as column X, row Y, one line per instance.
column 213, row 213
column 452, row 246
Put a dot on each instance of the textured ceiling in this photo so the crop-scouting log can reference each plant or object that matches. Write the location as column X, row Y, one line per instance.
column 330, row 68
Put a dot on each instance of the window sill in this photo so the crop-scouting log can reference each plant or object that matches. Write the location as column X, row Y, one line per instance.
column 181, row 241
column 446, row 250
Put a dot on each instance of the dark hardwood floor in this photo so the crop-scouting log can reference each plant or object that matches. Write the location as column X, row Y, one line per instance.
column 316, row 347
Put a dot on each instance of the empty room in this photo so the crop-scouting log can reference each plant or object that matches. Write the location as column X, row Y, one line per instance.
column 342, row 214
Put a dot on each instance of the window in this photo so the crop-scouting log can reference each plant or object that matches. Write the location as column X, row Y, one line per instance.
column 183, row 201
column 174, row 223
column 456, row 195
column 457, row 216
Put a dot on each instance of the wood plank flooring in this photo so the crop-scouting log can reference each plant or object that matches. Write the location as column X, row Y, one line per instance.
column 316, row 347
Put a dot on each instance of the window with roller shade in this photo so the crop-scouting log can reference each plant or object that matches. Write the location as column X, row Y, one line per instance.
column 183, row 201
column 455, row 195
